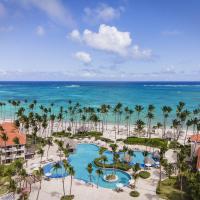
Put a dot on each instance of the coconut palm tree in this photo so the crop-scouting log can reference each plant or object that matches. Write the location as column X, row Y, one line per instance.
column 71, row 172
column 166, row 110
column 17, row 143
column 66, row 166
column 124, row 150
column 114, row 149
column 138, row 109
column 4, row 138
column 162, row 153
column 12, row 187
column 104, row 160
column 188, row 124
column 41, row 153
column 90, row 170
column 99, row 173
column 39, row 174
column 139, row 126
column 149, row 117
column 49, row 142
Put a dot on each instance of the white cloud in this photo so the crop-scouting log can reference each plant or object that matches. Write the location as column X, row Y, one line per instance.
column 6, row 29
column 40, row 31
column 103, row 12
column 108, row 38
column 2, row 10
column 83, row 57
column 54, row 9
column 75, row 35
column 171, row 33
column 139, row 53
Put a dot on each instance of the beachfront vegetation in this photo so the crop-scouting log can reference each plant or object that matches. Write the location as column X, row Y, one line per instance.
column 152, row 142
column 144, row 174
column 134, row 194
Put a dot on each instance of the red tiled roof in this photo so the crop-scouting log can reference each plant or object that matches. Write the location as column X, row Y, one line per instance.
column 195, row 138
column 12, row 131
column 198, row 158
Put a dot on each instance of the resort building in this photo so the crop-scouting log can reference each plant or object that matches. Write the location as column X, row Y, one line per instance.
column 195, row 144
column 195, row 148
column 12, row 143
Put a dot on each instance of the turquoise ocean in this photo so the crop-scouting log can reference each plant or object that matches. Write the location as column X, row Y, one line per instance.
column 97, row 93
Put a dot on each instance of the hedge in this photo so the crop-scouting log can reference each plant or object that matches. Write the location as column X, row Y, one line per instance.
column 152, row 142
column 87, row 134
column 134, row 194
column 144, row 174
column 61, row 134
column 119, row 165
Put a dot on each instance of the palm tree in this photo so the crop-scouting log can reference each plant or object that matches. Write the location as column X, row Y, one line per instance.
column 166, row 110
column 139, row 126
column 41, row 153
column 39, row 173
column 114, row 149
column 71, row 173
column 138, row 109
column 17, row 143
column 12, row 187
column 162, row 153
column 124, row 150
column 188, row 124
column 90, row 170
column 49, row 142
column 4, row 138
column 99, row 173
column 149, row 116
column 104, row 159
column 66, row 166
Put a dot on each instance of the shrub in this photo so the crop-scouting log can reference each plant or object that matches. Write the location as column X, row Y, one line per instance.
column 67, row 197
column 144, row 174
column 134, row 194
column 152, row 142
column 107, row 140
column 61, row 134
column 87, row 134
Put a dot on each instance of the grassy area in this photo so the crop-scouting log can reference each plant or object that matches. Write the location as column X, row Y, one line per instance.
column 4, row 182
column 61, row 134
column 87, row 134
column 152, row 142
column 168, row 190
column 144, row 174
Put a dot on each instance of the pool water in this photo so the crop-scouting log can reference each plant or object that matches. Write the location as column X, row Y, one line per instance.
column 85, row 154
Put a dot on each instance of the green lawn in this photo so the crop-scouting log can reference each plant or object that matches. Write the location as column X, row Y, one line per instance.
column 4, row 181
column 169, row 191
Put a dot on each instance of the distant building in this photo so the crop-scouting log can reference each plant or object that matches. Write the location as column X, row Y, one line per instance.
column 9, row 150
column 195, row 148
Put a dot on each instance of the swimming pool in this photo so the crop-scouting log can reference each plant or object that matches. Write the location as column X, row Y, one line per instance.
column 85, row 154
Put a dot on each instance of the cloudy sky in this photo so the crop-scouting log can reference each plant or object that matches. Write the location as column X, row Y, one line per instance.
column 128, row 40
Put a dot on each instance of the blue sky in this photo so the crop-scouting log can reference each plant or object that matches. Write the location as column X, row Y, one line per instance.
column 128, row 40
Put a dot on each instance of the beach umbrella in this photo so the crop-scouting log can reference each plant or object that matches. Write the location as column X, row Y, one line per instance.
column 131, row 181
column 119, row 185
column 48, row 174
column 157, row 163
column 148, row 165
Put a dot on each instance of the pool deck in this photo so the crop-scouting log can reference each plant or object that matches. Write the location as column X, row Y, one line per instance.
column 52, row 190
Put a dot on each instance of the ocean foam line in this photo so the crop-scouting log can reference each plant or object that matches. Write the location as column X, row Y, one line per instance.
column 72, row 86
